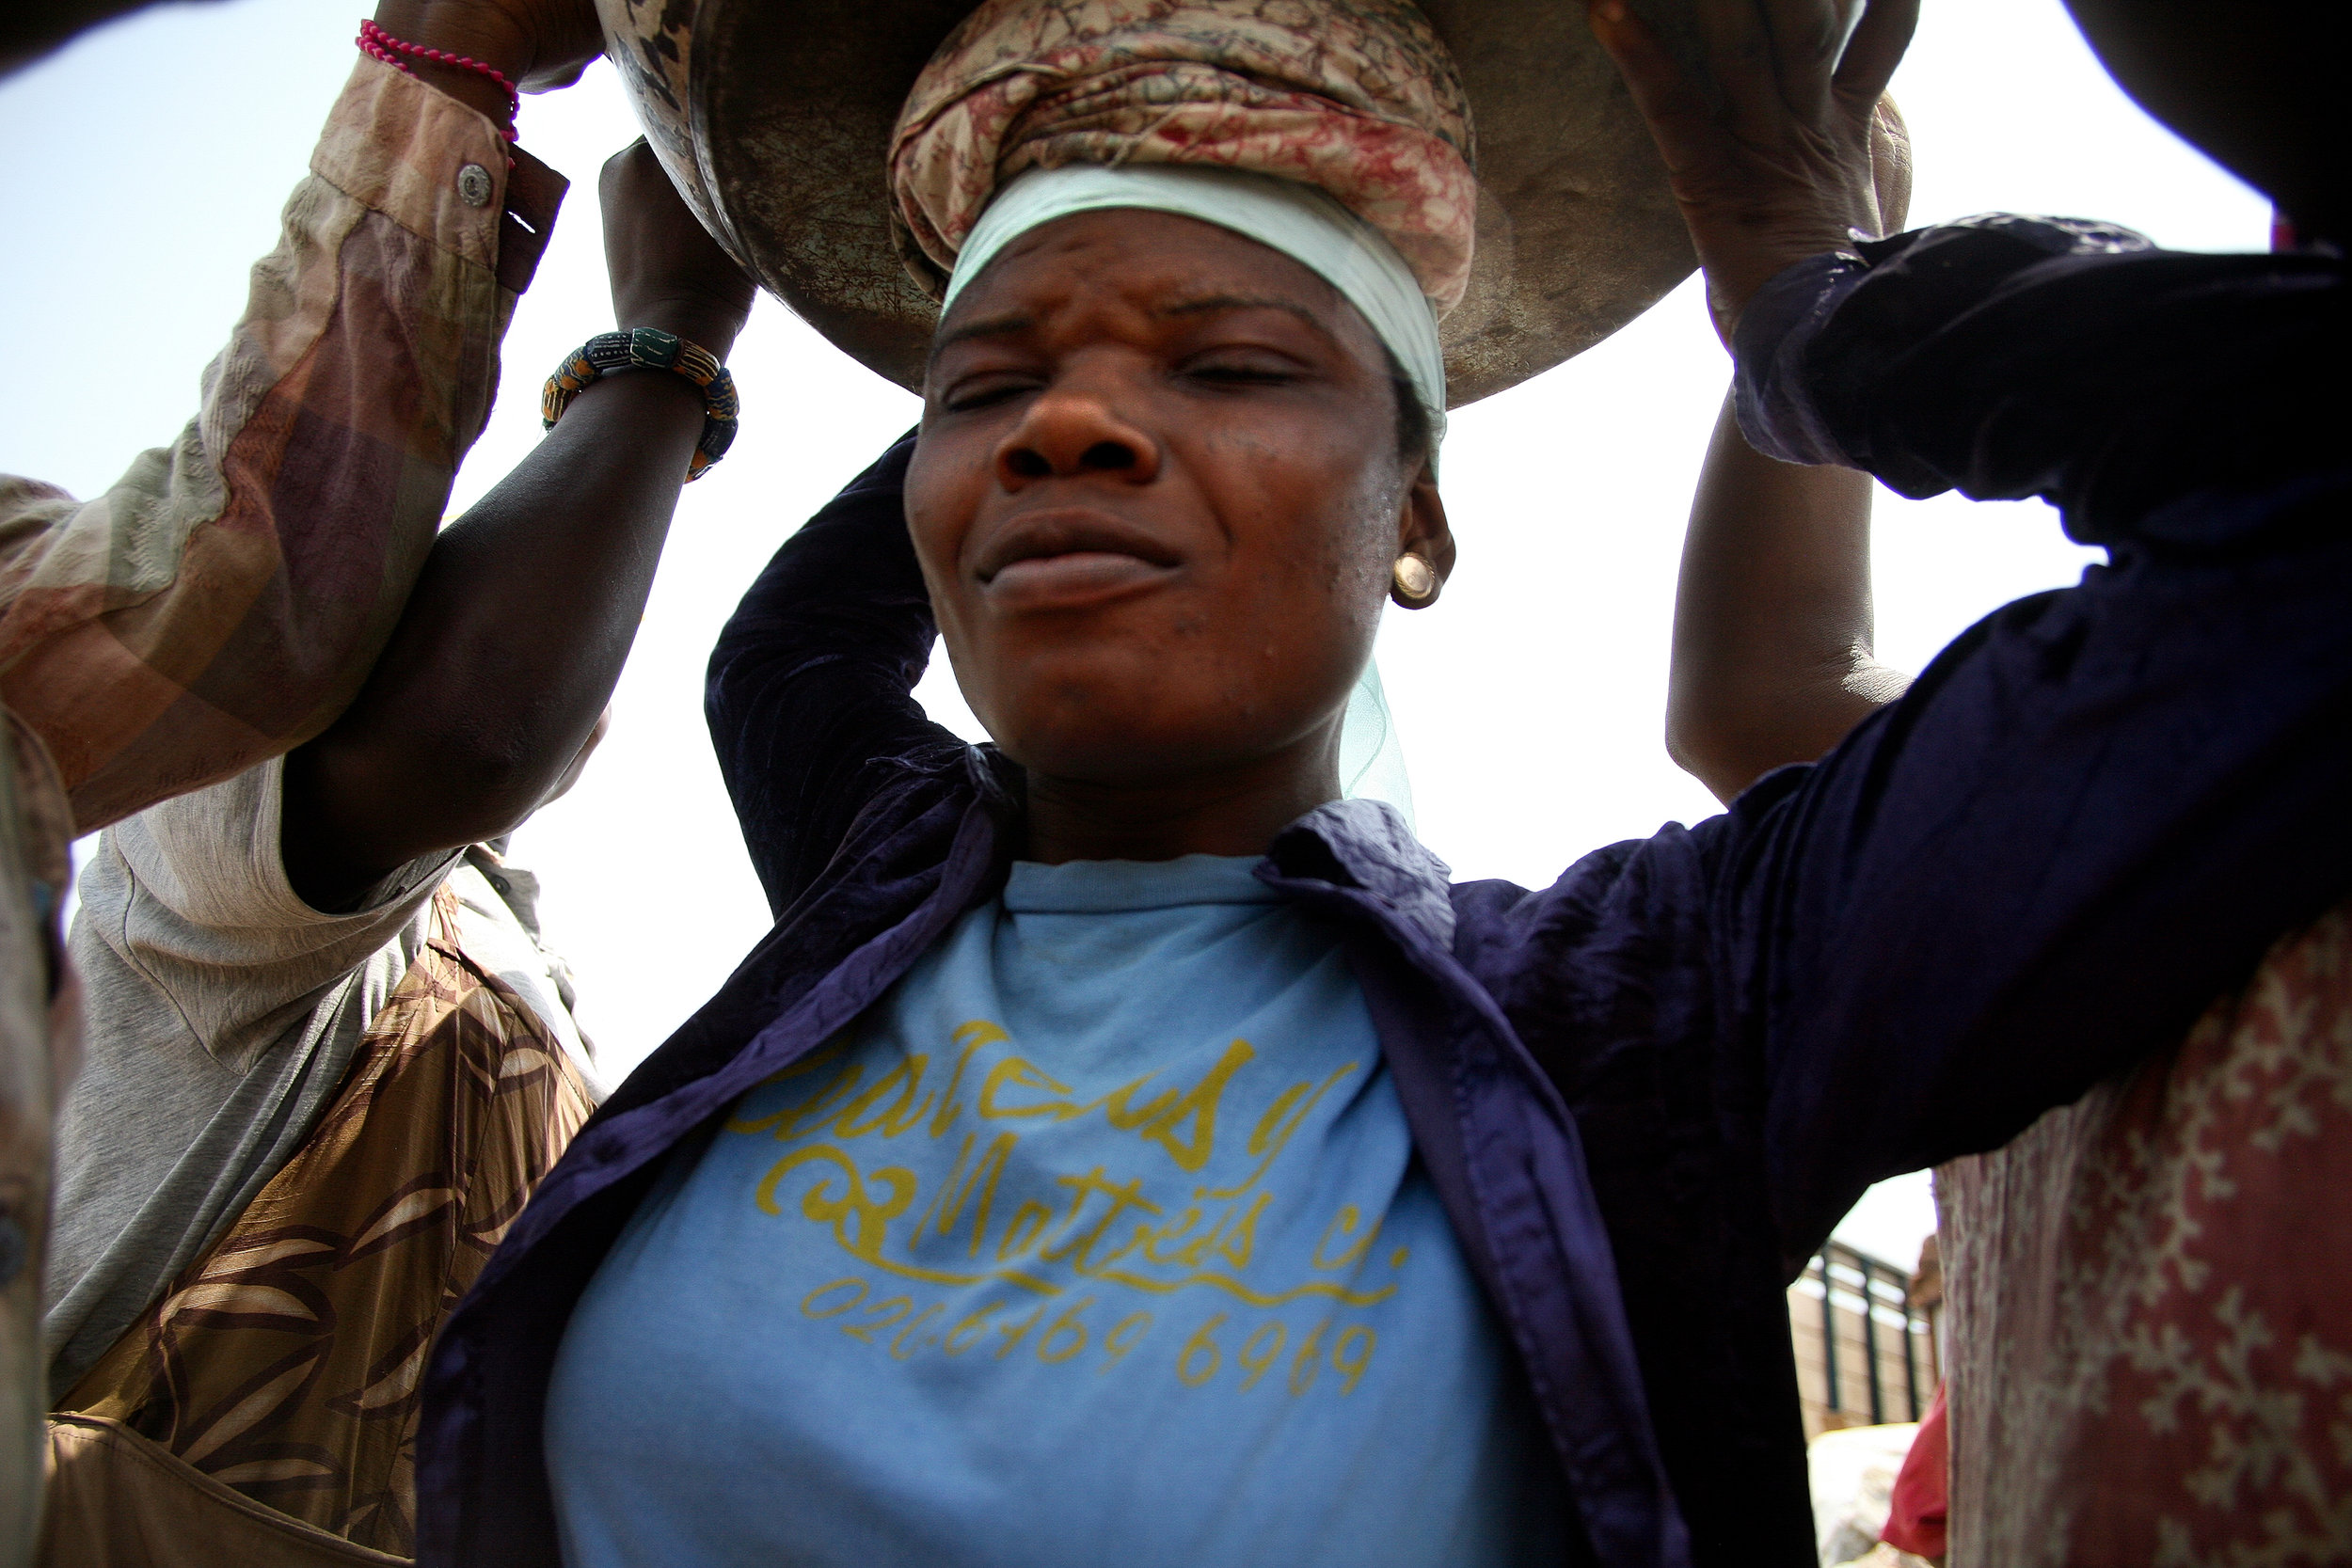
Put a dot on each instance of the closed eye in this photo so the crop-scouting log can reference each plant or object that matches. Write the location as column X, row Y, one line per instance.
column 985, row 392
column 1248, row 368
column 1242, row 373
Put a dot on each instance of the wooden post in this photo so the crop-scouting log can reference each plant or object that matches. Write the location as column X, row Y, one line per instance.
column 1829, row 1337
column 1911, row 1361
column 1870, row 1341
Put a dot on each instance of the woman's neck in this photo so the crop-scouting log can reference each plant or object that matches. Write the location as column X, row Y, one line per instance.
column 1232, row 811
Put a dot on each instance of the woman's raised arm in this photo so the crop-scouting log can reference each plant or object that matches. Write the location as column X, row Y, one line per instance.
column 226, row 597
column 1773, row 660
column 811, row 685
column 1771, row 646
column 2093, row 812
column 509, row 648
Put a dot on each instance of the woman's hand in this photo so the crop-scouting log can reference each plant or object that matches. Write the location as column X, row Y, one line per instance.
column 667, row 271
column 1776, row 165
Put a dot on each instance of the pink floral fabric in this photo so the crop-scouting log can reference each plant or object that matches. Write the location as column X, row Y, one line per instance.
column 2149, row 1299
column 1357, row 97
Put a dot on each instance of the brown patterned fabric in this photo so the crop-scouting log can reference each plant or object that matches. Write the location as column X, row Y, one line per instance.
column 284, row 1363
column 117, row 1500
column 2149, row 1299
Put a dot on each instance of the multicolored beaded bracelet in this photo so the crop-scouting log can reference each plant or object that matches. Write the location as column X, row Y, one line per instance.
column 649, row 348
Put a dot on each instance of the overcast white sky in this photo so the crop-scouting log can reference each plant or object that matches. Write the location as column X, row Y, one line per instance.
column 142, row 171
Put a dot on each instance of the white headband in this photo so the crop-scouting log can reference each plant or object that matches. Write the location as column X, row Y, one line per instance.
column 1301, row 221
column 1312, row 228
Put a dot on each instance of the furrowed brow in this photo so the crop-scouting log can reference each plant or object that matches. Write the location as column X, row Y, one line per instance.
column 1211, row 303
column 987, row 326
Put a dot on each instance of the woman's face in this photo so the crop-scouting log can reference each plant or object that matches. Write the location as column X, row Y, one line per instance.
column 1157, row 497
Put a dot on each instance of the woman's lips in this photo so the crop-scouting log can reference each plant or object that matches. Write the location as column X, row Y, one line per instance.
column 1070, row 579
column 1063, row 558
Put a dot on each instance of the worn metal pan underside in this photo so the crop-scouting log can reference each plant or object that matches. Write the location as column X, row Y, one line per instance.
column 774, row 116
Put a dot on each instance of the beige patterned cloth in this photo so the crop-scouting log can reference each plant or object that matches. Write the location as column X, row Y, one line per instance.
column 2149, row 1299
column 1357, row 97
column 284, row 1363
column 224, row 601
column 120, row 1500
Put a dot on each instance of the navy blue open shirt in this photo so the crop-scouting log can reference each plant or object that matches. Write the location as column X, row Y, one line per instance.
column 1647, row 1092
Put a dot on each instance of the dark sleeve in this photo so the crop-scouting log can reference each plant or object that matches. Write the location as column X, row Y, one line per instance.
column 809, row 695
column 2093, row 812
column 2011, row 356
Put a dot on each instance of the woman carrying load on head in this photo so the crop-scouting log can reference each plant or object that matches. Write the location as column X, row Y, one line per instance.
column 1126, row 1148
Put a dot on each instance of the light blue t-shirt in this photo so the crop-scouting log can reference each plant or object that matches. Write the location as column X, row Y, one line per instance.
column 1100, row 1239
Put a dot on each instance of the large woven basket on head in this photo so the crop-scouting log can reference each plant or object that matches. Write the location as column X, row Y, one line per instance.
column 774, row 118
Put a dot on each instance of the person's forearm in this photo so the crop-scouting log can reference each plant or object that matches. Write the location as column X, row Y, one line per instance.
column 508, row 651
column 225, row 599
column 459, row 31
column 516, row 636
column 1772, row 628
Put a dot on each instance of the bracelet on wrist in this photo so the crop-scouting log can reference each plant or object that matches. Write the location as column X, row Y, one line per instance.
column 377, row 44
column 649, row 348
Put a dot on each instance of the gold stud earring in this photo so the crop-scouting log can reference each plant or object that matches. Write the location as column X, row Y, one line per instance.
column 1414, row 582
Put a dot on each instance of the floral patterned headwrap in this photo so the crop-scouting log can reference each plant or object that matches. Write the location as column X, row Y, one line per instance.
column 1358, row 97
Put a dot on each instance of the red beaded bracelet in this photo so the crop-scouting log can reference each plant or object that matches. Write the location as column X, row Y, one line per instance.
column 378, row 44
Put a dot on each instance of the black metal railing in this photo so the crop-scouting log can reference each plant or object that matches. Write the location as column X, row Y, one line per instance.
column 1878, row 1294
